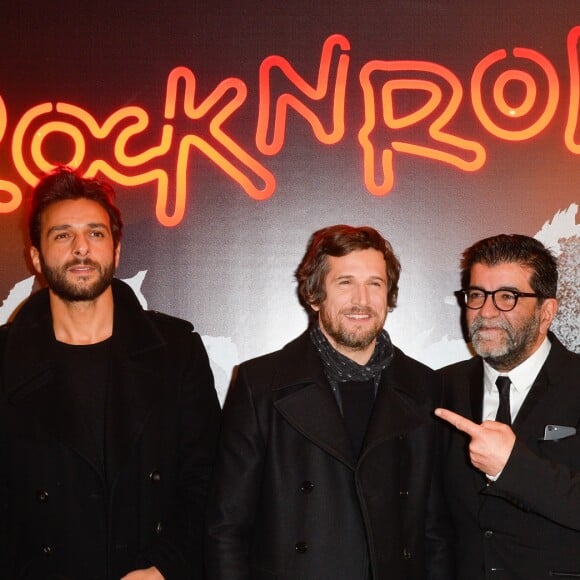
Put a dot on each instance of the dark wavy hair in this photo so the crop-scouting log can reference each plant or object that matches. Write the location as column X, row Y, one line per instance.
column 63, row 184
column 523, row 250
column 337, row 241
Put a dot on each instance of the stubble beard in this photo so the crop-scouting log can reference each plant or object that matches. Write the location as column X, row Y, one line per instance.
column 59, row 284
column 515, row 346
column 351, row 339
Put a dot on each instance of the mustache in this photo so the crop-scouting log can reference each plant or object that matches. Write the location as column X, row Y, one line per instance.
column 482, row 324
column 80, row 262
column 359, row 310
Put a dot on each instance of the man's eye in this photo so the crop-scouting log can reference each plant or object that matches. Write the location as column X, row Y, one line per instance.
column 97, row 234
column 475, row 295
column 507, row 296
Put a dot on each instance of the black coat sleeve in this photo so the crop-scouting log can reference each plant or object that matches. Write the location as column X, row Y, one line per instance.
column 236, row 486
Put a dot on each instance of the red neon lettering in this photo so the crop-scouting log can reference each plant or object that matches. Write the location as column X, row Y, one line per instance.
column 335, row 44
column 514, row 112
column 400, row 98
column 7, row 187
column 125, row 125
column 223, row 150
column 449, row 148
column 572, row 124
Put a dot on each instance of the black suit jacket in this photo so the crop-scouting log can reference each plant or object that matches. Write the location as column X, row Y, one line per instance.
column 59, row 518
column 526, row 525
column 291, row 501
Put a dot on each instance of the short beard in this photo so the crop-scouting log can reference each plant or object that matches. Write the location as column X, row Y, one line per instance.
column 69, row 292
column 351, row 340
column 516, row 347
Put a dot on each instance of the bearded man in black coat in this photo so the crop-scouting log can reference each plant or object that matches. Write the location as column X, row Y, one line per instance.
column 108, row 413
column 325, row 463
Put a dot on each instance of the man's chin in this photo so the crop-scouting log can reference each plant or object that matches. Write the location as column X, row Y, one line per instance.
column 490, row 352
column 80, row 293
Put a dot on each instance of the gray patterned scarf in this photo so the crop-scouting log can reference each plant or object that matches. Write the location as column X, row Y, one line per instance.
column 339, row 368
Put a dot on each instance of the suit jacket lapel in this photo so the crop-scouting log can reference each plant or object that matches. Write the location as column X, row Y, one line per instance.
column 537, row 394
column 475, row 386
column 475, row 382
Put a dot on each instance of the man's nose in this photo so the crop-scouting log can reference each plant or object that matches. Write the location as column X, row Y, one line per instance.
column 81, row 246
column 489, row 309
column 361, row 295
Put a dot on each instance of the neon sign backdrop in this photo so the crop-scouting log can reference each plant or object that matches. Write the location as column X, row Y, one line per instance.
column 382, row 82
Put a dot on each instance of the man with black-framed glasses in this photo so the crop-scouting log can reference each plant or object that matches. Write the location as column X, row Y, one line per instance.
column 510, row 441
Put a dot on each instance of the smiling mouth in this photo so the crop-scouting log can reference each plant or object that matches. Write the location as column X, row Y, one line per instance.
column 357, row 316
column 489, row 330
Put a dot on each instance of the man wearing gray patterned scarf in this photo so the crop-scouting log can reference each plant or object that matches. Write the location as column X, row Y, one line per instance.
column 325, row 463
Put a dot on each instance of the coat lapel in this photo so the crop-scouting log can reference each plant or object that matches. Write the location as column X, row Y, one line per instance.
column 305, row 399
column 29, row 378
column 137, row 383
column 30, row 383
column 394, row 411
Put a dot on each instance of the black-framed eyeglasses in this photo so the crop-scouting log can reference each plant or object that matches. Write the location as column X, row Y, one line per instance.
column 503, row 298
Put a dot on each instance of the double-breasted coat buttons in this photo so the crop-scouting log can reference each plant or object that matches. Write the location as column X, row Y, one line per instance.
column 301, row 547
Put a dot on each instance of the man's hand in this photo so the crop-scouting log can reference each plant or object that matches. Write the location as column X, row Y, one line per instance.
column 146, row 574
column 491, row 442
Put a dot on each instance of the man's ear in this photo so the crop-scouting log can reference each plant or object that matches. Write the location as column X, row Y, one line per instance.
column 548, row 311
column 35, row 258
column 117, row 254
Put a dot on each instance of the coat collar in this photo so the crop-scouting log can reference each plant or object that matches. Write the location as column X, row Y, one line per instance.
column 28, row 379
column 303, row 396
column 27, row 357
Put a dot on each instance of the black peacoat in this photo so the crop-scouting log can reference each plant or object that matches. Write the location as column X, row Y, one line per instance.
column 525, row 525
column 290, row 501
column 58, row 518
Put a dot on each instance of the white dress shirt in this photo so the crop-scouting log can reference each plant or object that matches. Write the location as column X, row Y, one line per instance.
column 522, row 378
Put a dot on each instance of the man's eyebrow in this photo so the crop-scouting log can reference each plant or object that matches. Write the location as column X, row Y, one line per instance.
column 63, row 227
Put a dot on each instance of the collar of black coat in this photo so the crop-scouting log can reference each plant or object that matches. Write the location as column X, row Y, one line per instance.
column 303, row 396
column 299, row 363
column 27, row 353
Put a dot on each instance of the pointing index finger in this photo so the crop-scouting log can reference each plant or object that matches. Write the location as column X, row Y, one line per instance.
column 458, row 421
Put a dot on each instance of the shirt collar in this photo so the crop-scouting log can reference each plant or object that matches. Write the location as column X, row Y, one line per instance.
column 523, row 376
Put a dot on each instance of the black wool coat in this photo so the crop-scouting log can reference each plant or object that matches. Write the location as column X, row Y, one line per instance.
column 290, row 501
column 59, row 519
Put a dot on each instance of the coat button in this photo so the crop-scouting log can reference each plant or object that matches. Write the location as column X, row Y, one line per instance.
column 155, row 476
column 301, row 547
column 406, row 554
column 42, row 496
column 404, row 493
column 488, row 534
column 306, row 487
column 158, row 528
column 46, row 549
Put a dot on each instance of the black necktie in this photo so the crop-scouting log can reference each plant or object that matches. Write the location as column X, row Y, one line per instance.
column 503, row 411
